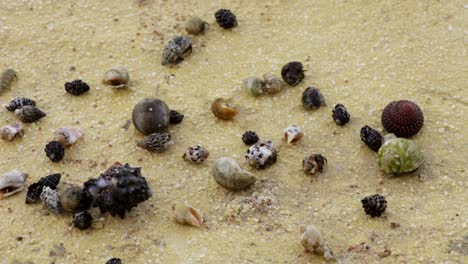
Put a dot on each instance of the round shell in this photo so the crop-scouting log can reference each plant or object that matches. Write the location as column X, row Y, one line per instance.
column 292, row 134
column 312, row 240
column 230, row 175
column 71, row 198
column 187, row 215
column 117, row 77
column 9, row 132
column 151, row 115
column 67, row 135
column 195, row 26
column 399, row 155
column 403, row 118
column 254, row 86
column 272, row 83
column 222, row 110
column 261, row 155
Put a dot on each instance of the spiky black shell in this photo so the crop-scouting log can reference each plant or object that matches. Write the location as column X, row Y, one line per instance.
column 19, row 102
column 292, row 73
column 114, row 261
column 340, row 115
column 117, row 190
column 54, row 151
column 250, row 138
column 372, row 138
column 76, row 87
column 374, row 205
column 225, row 18
column 35, row 189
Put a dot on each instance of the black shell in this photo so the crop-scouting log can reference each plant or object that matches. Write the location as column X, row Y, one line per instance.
column 312, row 98
column 82, row 220
column 54, row 151
column 117, row 190
column 114, row 261
column 19, row 102
column 292, row 73
column 175, row 117
column 374, row 205
column 29, row 113
column 151, row 115
column 250, row 138
column 340, row 115
column 35, row 189
column 372, row 138
column 76, row 87
column 225, row 18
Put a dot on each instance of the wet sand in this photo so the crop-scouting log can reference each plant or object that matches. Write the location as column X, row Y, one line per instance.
column 362, row 54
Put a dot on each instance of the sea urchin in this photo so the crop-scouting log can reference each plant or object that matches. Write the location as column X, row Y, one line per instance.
column 403, row 118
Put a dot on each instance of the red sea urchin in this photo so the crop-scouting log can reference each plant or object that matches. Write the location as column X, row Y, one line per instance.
column 403, row 118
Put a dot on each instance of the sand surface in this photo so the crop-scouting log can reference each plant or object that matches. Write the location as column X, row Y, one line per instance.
column 362, row 54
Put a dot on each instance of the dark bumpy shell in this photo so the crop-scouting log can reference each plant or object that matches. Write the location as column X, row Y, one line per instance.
column 35, row 189
column 312, row 98
column 76, row 87
column 19, row 102
column 225, row 18
column 175, row 117
column 340, row 115
column 176, row 50
column 292, row 73
column 402, row 118
column 82, row 220
column 372, row 138
column 250, row 138
column 374, row 205
column 151, row 115
column 117, row 190
column 29, row 114
column 54, row 151
column 114, row 261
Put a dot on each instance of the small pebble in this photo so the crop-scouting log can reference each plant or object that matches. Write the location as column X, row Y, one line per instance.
column 225, row 18
column 340, row 115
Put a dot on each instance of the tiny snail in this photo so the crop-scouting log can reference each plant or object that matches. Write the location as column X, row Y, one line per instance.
column 116, row 77
column 222, row 110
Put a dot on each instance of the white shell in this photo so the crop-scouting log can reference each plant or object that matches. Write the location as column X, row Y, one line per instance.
column 13, row 180
column 50, row 199
column 292, row 134
column 187, row 215
column 117, row 77
column 9, row 132
column 68, row 135
column 313, row 241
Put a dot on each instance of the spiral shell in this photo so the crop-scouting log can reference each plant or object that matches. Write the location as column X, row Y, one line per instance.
column 292, row 134
column 272, row 83
column 12, row 182
column 230, row 175
column 50, row 199
column 312, row 240
column 117, row 77
column 19, row 102
column 222, row 110
column 67, row 135
column 9, row 132
column 399, row 155
column 8, row 77
column 176, row 50
column 254, row 86
column 29, row 114
column 156, row 142
column 187, row 215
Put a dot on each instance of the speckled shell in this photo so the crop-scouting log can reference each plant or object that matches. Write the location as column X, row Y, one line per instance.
column 195, row 26
column 196, row 154
column 254, row 86
column 314, row 163
column 261, row 155
column 399, row 155
column 222, row 110
column 12, row 182
column 151, row 115
column 50, row 199
column 35, row 189
column 156, row 142
column 29, row 114
column 9, row 132
column 67, row 135
column 8, row 77
column 292, row 134
column 116, row 77
column 312, row 240
column 19, row 102
column 176, row 50
column 230, row 175
column 272, row 83
column 187, row 215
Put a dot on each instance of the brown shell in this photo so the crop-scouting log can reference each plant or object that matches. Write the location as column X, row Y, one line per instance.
column 222, row 110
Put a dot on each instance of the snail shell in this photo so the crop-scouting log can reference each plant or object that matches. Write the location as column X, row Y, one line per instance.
column 9, row 132
column 313, row 241
column 292, row 134
column 50, row 199
column 176, row 50
column 261, row 155
column 272, row 83
column 222, row 110
column 71, row 198
column 151, row 115
column 117, row 77
column 230, row 175
column 195, row 26
column 67, row 135
column 8, row 77
column 12, row 182
column 196, row 154
column 156, row 142
column 254, row 86
column 187, row 215
column 314, row 163
column 29, row 114
column 399, row 155
column 19, row 102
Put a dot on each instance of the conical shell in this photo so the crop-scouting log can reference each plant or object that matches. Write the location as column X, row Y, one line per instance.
column 9, row 132
column 67, row 135
column 12, row 182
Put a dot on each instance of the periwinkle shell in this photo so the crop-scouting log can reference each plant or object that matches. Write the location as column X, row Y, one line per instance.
column 399, row 155
column 151, row 115
column 230, row 175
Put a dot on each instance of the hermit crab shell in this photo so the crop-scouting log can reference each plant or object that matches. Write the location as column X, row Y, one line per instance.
column 196, row 154
column 116, row 77
column 9, row 132
column 254, row 86
column 399, row 155
column 261, row 155
column 230, row 175
column 312, row 240
column 314, row 163
column 67, row 135
column 292, row 134
column 12, row 182
column 222, row 110
column 187, row 215
column 272, row 83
